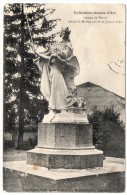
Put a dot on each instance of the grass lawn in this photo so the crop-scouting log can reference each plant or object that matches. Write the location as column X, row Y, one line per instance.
column 11, row 154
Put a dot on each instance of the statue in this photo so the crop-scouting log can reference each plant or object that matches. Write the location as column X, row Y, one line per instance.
column 59, row 67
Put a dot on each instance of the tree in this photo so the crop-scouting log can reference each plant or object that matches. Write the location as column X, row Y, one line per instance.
column 21, row 75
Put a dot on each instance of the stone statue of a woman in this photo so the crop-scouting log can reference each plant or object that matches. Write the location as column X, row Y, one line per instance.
column 59, row 67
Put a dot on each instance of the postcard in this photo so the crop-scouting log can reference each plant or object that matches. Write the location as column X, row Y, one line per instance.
column 64, row 97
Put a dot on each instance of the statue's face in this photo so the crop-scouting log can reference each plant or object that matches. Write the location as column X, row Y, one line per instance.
column 65, row 35
column 62, row 34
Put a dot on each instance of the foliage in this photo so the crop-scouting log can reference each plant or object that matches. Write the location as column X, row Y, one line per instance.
column 21, row 74
column 108, row 130
column 9, row 117
column 12, row 53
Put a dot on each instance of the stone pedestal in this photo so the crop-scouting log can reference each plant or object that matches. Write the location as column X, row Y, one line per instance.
column 66, row 144
column 64, row 135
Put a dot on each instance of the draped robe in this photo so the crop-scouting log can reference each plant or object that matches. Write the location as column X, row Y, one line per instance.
column 57, row 79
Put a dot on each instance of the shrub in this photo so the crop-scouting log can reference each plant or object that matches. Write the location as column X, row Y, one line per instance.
column 108, row 131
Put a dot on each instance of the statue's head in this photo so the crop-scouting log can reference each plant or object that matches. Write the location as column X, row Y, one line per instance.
column 65, row 34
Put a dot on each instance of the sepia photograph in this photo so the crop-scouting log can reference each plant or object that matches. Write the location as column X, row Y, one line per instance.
column 64, row 97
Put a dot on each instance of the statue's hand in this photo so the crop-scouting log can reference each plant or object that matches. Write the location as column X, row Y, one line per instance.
column 53, row 58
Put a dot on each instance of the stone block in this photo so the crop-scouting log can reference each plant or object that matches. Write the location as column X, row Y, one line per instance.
column 67, row 159
column 65, row 145
column 64, row 135
column 72, row 115
column 22, row 177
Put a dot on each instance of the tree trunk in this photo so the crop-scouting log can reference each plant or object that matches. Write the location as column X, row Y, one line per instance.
column 21, row 99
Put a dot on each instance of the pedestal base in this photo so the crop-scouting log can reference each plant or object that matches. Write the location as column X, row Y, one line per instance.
column 69, row 115
column 65, row 145
column 67, row 159
column 66, row 142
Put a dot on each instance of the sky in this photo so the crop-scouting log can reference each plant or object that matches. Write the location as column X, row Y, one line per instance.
column 98, row 40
